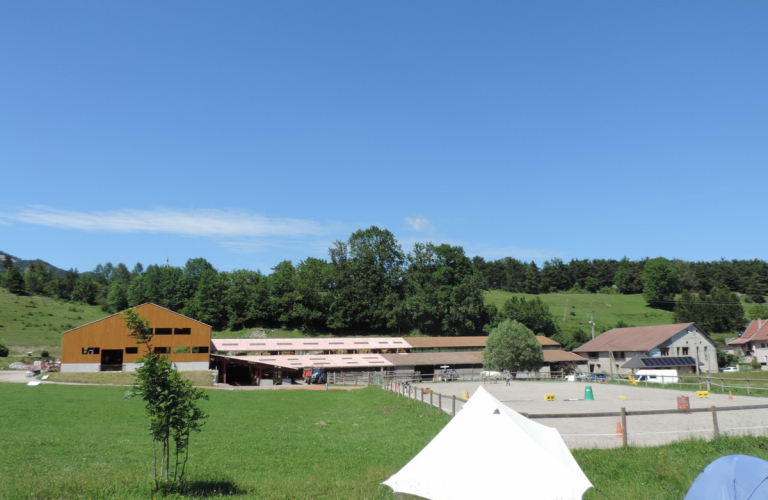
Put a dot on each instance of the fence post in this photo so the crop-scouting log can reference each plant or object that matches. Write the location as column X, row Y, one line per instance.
column 430, row 398
column 624, row 427
column 714, row 420
column 440, row 401
column 453, row 406
column 709, row 385
column 747, row 386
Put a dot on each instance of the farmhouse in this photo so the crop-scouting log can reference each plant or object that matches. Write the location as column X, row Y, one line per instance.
column 682, row 346
column 754, row 341
column 105, row 345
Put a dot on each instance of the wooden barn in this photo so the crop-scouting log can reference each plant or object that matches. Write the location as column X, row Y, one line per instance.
column 105, row 345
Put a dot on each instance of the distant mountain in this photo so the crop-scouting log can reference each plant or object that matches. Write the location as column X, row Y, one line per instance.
column 24, row 264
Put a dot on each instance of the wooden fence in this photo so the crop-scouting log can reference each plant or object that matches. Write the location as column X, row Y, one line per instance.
column 429, row 396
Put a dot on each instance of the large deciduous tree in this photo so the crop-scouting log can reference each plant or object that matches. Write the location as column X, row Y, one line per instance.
column 512, row 346
column 367, row 281
column 532, row 313
column 660, row 284
column 443, row 292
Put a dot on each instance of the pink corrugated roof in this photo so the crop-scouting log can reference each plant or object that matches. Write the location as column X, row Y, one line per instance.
column 309, row 344
column 325, row 361
column 637, row 338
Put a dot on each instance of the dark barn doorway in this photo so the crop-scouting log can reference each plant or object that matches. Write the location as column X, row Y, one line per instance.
column 111, row 360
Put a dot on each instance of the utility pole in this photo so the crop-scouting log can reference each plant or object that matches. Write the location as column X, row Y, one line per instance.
column 592, row 323
column 566, row 309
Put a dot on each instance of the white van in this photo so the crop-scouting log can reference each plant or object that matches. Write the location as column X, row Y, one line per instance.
column 657, row 376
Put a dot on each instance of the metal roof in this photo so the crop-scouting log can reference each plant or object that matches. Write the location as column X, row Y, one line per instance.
column 435, row 358
column 437, row 342
column 757, row 330
column 309, row 344
column 326, row 361
column 637, row 338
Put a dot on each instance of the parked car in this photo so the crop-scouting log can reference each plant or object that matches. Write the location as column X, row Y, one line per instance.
column 730, row 369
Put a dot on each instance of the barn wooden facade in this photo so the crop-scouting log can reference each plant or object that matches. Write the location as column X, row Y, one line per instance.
column 105, row 345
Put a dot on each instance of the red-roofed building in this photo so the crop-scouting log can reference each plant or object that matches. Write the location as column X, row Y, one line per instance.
column 754, row 340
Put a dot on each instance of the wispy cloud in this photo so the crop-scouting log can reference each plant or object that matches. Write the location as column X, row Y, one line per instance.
column 204, row 223
column 420, row 223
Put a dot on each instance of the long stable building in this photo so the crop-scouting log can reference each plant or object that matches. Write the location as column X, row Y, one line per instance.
column 254, row 360
column 106, row 344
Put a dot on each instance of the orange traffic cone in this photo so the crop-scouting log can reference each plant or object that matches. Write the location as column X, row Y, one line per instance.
column 730, row 396
column 619, row 431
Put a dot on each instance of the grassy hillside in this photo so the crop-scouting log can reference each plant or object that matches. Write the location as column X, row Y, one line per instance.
column 572, row 310
column 36, row 323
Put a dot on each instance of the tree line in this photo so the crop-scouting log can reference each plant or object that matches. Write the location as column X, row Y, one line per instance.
column 369, row 285
column 748, row 277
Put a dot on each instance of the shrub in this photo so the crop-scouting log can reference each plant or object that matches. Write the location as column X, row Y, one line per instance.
column 45, row 354
column 3, row 351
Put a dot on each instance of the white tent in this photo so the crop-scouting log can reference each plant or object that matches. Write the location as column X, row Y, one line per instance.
column 489, row 451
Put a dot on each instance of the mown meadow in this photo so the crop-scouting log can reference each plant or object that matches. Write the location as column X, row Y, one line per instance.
column 65, row 442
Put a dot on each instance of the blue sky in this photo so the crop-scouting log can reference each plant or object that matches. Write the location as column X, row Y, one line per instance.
column 251, row 132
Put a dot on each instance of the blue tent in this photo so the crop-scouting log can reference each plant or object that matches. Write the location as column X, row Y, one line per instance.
column 732, row 477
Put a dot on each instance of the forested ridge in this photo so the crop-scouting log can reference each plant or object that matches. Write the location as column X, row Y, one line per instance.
column 369, row 285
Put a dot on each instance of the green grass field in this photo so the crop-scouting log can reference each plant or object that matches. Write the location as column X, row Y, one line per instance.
column 64, row 442
column 572, row 310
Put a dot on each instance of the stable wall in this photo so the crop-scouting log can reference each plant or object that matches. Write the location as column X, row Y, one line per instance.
column 81, row 348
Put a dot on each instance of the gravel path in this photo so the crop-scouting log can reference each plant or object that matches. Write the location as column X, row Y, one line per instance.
column 601, row 432
column 16, row 376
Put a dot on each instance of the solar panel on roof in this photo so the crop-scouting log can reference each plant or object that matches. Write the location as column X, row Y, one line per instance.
column 669, row 361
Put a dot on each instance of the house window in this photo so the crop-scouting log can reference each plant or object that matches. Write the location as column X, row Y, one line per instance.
column 200, row 350
column 162, row 350
column 678, row 351
column 131, row 350
column 90, row 350
column 665, row 351
column 685, row 351
column 620, row 355
column 163, row 331
column 594, row 355
column 182, row 331
column 181, row 350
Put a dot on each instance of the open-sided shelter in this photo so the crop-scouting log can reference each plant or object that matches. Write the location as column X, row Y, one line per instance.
column 106, row 345
column 490, row 451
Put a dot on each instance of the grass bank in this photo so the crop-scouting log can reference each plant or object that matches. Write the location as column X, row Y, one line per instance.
column 573, row 310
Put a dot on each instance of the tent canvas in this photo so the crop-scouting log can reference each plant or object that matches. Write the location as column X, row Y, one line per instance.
column 732, row 477
column 489, row 450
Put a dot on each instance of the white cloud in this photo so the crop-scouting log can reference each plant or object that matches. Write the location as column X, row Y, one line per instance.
column 205, row 223
column 420, row 223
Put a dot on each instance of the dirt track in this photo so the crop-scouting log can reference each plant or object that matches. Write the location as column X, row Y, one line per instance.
column 601, row 432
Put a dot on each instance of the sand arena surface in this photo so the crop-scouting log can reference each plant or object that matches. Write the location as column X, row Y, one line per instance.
column 600, row 432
